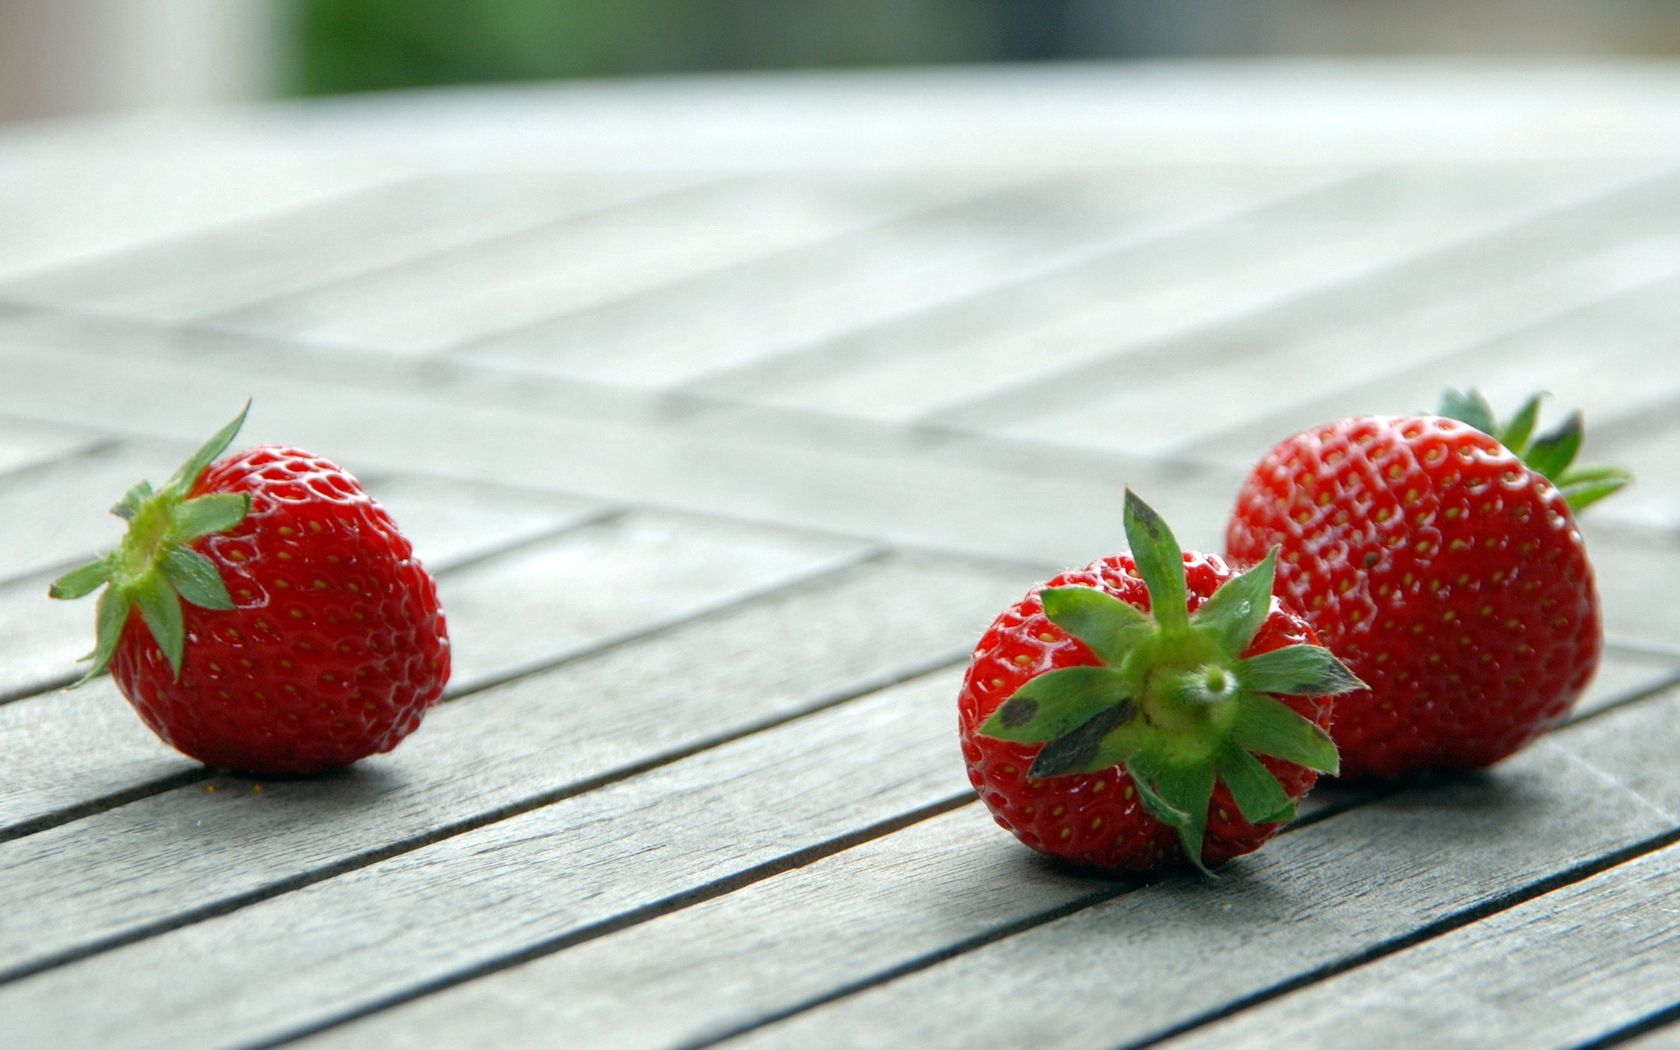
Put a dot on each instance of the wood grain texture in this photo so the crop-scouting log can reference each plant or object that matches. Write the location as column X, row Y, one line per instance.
column 1651, row 449
column 238, row 265
column 1312, row 898
column 732, row 320
column 988, row 499
column 1560, row 970
column 1135, row 322
column 27, row 443
column 437, row 303
column 1634, row 575
column 516, row 744
column 350, row 941
column 53, row 515
column 1623, row 311
column 731, row 961
column 907, row 899
column 943, row 886
column 1435, row 290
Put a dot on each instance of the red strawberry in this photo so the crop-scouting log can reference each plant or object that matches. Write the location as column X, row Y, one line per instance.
column 283, row 624
column 1445, row 568
column 1153, row 708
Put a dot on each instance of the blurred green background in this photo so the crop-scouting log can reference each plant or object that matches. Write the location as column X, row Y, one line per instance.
column 358, row 45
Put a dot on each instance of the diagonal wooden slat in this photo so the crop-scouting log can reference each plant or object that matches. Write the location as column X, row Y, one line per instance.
column 223, row 269
column 1148, row 962
column 435, row 303
column 734, row 319
column 546, row 736
column 1562, row 970
column 1155, row 315
column 950, row 885
column 699, row 826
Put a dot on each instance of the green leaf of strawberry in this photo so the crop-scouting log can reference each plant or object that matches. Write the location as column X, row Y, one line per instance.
column 1160, row 561
column 1056, row 703
column 1550, row 455
column 1268, row 727
column 154, row 569
column 1108, row 626
column 1232, row 617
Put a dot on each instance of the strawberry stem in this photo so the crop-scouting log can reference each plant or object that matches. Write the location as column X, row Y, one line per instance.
column 153, row 569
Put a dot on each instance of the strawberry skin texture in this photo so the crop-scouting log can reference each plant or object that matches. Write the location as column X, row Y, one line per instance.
column 1446, row 574
column 336, row 646
column 1096, row 819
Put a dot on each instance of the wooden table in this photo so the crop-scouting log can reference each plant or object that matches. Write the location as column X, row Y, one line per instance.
column 728, row 412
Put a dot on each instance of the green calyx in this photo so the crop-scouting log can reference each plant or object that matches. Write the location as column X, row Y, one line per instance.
column 1173, row 700
column 1551, row 454
column 154, row 568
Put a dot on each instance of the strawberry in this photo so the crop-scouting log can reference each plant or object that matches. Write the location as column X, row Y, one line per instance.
column 264, row 613
column 1153, row 708
column 1438, row 556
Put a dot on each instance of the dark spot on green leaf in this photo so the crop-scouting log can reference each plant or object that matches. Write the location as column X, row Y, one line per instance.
column 1074, row 751
column 1018, row 712
column 1150, row 521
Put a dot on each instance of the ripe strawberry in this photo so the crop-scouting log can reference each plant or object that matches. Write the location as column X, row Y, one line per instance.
column 1444, row 567
column 284, row 625
column 1099, row 710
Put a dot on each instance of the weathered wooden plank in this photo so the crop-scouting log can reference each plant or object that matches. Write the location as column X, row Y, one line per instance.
column 699, row 683
column 229, row 267
column 511, row 615
column 1631, row 333
column 508, row 615
column 731, row 961
column 1559, row 970
column 74, row 749
column 29, row 443
column 733, row 318
column 1635, row 582
column 1185, row 297
column 1146, row 961
column 1508, row 273
column 949, row 884
column 987, row 499
column 1627, row 674
column 137, row 184
column 53, row 514
column 451, row 521
column 1635, row 748
column 1652, row 452
column 697, row 826
column 436, row 303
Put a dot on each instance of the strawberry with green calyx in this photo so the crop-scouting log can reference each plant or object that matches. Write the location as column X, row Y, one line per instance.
column 1155, row 706
column 263, row 613
column 1438, row 555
